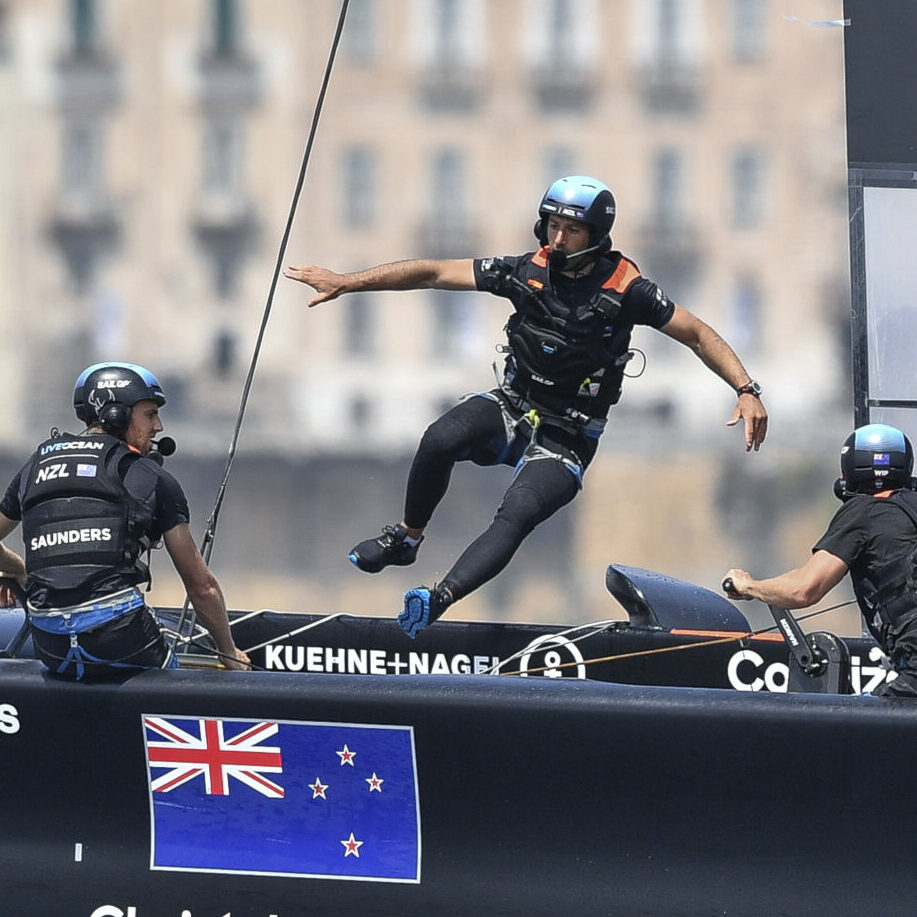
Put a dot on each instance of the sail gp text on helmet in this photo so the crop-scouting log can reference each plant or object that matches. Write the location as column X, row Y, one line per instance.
column 749, row 671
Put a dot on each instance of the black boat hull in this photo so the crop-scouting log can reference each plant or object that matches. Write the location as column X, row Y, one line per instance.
column 536, row 796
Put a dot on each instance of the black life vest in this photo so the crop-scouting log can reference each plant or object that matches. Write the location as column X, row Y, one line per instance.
column 891, row 602
column 87, row 508
column 562, row 359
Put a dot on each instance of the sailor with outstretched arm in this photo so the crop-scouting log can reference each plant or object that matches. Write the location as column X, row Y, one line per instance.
column 575, row 303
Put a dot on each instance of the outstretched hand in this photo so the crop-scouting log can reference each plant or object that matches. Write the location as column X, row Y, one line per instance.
column 326, row 283
column 754, row 414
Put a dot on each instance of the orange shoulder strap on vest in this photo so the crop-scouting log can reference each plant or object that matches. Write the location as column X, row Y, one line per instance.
column 624, row 275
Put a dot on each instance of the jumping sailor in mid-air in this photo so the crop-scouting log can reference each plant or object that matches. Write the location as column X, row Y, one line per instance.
column 575, row 302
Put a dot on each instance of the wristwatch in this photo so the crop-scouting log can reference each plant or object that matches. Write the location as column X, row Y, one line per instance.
column 750, row 388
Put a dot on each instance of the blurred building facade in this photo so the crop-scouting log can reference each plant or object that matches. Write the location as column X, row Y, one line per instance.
column 149, row 153
column 152, row 150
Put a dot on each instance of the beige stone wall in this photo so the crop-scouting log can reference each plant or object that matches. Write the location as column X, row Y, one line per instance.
column 153, row 299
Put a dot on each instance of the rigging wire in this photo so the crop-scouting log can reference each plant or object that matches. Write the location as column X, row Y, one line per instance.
column 210, row 529
column 731, row 638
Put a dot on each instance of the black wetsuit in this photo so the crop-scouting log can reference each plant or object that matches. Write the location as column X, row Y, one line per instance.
column 90, row 508
column 874, row 537
column 568, row 340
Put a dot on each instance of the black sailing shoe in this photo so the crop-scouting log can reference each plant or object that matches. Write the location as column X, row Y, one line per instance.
column 389, row 549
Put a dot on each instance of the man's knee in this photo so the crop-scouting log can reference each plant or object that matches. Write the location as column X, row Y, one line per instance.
column 523, row 507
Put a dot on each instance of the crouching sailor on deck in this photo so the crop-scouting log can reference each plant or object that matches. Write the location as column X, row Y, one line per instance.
column 873, row 537
column 92, row 505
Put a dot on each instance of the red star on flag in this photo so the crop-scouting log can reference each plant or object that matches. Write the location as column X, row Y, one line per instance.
column 375, row 783
column 346, row 756
column 318, row 788
column 352, row 845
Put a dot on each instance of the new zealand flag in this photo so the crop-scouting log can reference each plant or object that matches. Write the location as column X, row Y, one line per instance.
column 283, row 798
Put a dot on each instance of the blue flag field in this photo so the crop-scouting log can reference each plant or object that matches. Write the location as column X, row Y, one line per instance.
column 283, row 798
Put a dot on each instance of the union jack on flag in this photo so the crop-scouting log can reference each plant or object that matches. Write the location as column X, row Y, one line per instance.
column 283, row 798
column 209, row 754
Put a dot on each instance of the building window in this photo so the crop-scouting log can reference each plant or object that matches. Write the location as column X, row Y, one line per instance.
column 225, row 26
column 84, row 26
column 359, row 43
column 749, row 30
column 748, row 178
column 559, row 161
column 4, row 31
column 451, row 42
column 669, row 193
column 360, row 412
column 82, row 167
column 456, row 325
column 447, row 33
column 223, row 159
column 668, row 40
column 359, row 325
column 224, row 353
column 746, row 320
column 443, row 232
column 449, row 188
column 360, row 182
column 561, row 33
column 559, row 39
column 673, row 31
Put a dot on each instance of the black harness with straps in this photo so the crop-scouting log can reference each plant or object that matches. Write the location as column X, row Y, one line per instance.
column 87, row 508
column 561, row 356
column 893, row 601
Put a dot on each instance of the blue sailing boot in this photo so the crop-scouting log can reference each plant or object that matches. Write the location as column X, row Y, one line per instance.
column 423, row 606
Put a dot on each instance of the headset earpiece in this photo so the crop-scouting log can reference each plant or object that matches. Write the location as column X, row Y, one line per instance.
column 115, row 418
column 541, row 232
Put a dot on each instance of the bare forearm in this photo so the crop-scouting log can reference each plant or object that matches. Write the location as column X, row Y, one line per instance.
column 396, row 275
column 786, row 591
column 11, row 564
column 797, row 588
column 210, row 606
column 719, row 357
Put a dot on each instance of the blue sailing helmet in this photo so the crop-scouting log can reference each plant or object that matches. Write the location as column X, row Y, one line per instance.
column 106, row 392
column 876, row 457
column 578, row 197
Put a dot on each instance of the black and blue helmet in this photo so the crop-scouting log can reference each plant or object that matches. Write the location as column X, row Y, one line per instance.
column 578, row 197
column 105, row 385
column 876, row 457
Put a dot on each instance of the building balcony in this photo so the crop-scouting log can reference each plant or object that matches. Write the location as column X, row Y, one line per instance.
column 670, row 88
column 84, row 227
column 226, row 228
column 670, row 251
column 564, row 89
column 450, row 89
column 436, row 239
column 88, row 82
column 229, row 82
